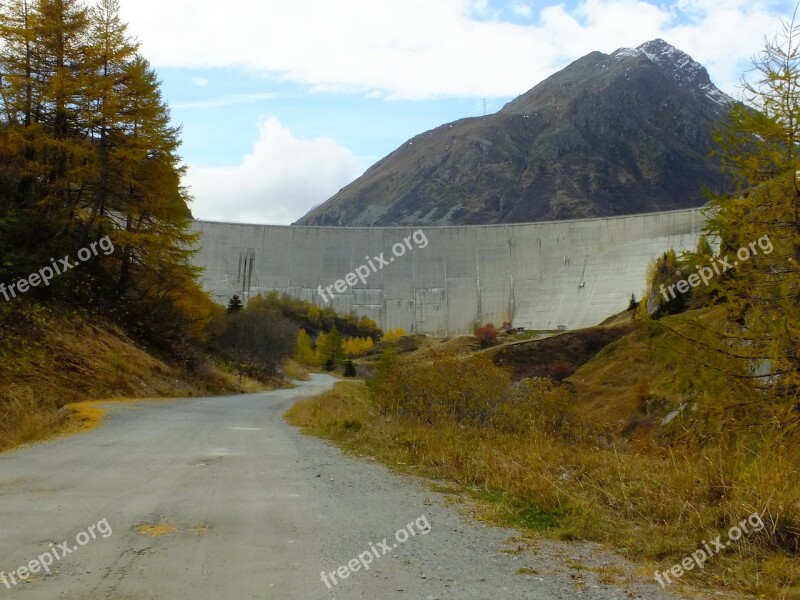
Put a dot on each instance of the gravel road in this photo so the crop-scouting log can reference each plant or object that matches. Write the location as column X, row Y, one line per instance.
column 218, row 498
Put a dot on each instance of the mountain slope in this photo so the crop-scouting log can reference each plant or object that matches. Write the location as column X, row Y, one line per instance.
column 612, row 134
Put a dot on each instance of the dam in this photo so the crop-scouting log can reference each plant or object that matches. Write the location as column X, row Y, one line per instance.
column 544, row 276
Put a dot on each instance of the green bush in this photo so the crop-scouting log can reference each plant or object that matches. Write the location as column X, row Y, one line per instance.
column 349, row 369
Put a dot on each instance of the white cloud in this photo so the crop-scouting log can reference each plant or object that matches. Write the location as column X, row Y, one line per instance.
column 277, row 183
column 200, row 81
column 430, row 48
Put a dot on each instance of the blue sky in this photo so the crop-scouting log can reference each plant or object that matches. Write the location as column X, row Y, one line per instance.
column 221, row 107
column 282, row 104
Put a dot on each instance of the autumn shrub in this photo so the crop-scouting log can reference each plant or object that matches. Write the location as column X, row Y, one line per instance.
column 394, row 334
column 465, row 390
column 330, row 348
column 357, row 346
column 537, row 404
column 560, row 370
column 257, row 339
column 304, row 352
column 487, row 335
column 294, row 370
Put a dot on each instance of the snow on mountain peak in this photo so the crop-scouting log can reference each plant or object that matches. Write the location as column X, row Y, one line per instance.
column 626, row 52
column 682, row 66
column 664, row 54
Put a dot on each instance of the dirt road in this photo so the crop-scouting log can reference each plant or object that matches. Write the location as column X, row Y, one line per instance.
column 217, row 498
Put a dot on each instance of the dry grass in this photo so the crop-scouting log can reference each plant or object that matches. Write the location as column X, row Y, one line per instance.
column 294, row 370
column 650, row 502
column 28, row 419
column 50, row 359
column 84, row 416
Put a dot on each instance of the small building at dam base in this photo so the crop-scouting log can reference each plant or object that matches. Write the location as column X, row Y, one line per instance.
column 443, row 280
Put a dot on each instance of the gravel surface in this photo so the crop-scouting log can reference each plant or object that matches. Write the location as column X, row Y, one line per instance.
column 218, row 498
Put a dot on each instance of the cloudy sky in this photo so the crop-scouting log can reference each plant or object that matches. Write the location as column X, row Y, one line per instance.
column 284, row 102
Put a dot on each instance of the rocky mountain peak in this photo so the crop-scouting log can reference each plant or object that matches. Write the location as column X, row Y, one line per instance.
column 682, row 67
column 624, row 133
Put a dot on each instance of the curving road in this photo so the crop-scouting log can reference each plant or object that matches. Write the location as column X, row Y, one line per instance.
column 217, row 498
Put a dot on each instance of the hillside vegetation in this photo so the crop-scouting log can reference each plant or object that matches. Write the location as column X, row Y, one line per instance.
column 51, row 358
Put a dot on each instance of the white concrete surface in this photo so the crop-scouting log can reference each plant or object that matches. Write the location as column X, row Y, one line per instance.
column 560, row 274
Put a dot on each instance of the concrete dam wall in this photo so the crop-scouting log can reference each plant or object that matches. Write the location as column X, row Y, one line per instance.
column 552, row 275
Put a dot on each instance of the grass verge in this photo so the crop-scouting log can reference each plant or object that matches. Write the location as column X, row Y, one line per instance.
column 653, row 504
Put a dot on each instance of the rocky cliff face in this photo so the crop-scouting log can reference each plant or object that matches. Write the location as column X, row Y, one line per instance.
column 624, row 133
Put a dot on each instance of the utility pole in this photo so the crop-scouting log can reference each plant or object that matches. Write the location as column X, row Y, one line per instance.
column 484, row 107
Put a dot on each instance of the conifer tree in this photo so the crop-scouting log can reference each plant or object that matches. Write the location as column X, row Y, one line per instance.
column 235, row 304
column 304, row 353
column 746, row 353
column 87, row 150
column 761, row 220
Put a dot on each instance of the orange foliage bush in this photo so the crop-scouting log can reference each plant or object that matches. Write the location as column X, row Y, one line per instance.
column 487, row 335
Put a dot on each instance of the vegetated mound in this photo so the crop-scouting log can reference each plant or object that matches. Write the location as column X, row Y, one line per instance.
column 558, row 356
column 423, row 346
column 51, row 357
column 619, row 374
column 624, row 133
column 406, row 344
column 632, row 385
column 306, row 315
